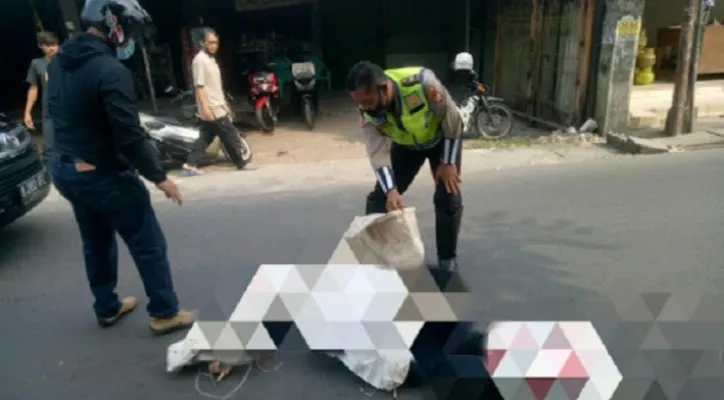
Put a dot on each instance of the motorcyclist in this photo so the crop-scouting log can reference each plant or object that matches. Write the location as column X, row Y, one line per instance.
column 463, row 77
column 408, row 117
column 99, row 144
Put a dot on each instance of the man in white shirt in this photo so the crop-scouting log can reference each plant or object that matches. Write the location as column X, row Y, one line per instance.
column 213, row 109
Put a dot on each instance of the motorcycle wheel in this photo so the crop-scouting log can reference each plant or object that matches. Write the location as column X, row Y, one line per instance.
column 244, row 150
column 309, row 113
column 265, row 117
column 494, row 123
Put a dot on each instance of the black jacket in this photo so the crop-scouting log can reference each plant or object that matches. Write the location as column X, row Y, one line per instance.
column 92, row 103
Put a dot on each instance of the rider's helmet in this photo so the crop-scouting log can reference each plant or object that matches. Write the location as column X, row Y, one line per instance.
column 120, row 20
column 463, row 62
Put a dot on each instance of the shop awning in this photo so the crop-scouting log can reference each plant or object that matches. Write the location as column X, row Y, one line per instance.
column 253, row 5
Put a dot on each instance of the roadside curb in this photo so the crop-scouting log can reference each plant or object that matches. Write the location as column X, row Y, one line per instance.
column 694, row 141
column 634, row 145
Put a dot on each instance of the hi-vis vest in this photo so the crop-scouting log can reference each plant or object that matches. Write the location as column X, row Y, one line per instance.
column 417, row 126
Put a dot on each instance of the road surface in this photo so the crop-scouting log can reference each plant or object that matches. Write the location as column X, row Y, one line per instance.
column 553, row 242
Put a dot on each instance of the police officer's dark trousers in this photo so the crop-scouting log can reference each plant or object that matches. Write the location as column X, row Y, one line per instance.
column 106, row 202
column 406, row 163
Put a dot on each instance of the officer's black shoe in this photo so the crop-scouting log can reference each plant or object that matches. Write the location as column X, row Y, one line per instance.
column 448, row 265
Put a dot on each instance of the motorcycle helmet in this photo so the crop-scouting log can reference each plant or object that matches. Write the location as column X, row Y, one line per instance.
column 463, row 62
column 119, row 20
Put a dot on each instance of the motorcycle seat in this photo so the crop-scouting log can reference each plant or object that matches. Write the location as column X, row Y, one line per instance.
column 168, row 120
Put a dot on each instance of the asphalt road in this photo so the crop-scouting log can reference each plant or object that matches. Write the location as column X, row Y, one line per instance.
column 555, row 242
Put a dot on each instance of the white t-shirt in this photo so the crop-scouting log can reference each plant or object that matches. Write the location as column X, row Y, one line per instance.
column 206, row 74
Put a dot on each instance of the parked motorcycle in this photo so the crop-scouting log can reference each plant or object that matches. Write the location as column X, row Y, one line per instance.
column 306, row 97
column 174, row 141
column 485, row 116
column 264, row 97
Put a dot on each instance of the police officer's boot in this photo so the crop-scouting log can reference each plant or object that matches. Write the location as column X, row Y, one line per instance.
column 447, row 230
column 449, row 264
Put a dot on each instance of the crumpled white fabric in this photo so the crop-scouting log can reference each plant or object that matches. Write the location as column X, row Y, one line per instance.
column 391, row 239
column 386, row 371
column 190, row 351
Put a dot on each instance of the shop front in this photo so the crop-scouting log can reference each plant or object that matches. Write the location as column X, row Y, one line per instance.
column 332, row 34
column 656, row 63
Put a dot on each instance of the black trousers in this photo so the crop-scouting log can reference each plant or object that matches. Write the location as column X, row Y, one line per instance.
column 226, row 131
column 106, row 202
column 406, row 163
column 48, row 139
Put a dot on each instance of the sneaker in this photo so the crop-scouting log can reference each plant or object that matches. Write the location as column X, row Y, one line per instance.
column 182, row 320
column 127, row 305
column 187, row 172
column 448, row 265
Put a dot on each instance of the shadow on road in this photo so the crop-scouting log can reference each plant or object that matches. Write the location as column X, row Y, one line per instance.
column 517, row 280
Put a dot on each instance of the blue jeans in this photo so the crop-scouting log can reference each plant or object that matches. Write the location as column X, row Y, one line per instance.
column 105, row 202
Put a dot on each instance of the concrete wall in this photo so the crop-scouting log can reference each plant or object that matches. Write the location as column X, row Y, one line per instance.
column 616, row 67
column 658, row 16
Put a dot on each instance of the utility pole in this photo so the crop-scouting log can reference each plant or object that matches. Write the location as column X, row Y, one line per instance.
column 675, row 117
column 701, row 20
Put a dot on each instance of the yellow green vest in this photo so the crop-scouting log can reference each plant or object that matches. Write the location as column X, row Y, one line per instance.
column 417, row 126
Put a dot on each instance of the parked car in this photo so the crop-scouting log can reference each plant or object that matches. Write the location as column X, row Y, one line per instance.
column 24, row 181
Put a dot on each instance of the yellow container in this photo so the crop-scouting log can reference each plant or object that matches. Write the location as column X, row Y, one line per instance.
column 643, row 39
column 644, row 67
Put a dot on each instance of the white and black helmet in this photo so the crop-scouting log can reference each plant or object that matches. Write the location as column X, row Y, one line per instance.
column 463, row 62
column 120, row 20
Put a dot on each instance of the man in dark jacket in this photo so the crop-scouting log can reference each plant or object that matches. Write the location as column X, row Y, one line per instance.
column 99, row 145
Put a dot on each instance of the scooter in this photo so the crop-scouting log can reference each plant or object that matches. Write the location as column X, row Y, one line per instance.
column 174, row 140
column 306, row 96
column 264, row 97
column 184, row 99
column 483, row 115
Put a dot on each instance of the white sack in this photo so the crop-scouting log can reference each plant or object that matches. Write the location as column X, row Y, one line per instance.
column 394, row 240
column 391, row 239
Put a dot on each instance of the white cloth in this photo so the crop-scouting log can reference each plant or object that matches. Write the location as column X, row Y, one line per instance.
column 391, row 239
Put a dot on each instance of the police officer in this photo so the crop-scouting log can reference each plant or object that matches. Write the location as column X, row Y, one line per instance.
column 408, row 117
column 99, row 144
